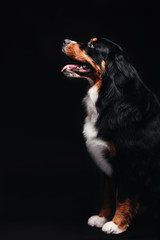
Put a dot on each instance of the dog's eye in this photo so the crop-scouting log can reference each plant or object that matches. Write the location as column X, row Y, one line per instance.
column 91, row 44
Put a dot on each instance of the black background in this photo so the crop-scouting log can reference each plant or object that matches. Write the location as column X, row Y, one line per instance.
column 49, row 186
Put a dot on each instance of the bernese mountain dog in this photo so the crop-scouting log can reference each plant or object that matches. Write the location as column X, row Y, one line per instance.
column 121, row 129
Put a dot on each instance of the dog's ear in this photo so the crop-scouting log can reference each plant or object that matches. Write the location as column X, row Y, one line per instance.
column 125, row 71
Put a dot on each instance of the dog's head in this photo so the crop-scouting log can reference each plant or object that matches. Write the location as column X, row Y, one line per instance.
column 96, row 60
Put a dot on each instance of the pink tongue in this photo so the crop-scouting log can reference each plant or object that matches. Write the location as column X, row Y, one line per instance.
column 69, row 67
column 75, row 68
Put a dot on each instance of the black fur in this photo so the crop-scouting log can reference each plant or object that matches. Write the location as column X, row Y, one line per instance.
column 129, row 117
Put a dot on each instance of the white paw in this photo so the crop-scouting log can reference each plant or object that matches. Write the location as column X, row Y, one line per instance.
column 96, row 221
column 111, row 227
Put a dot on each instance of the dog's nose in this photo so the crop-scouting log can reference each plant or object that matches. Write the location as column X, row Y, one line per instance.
column 66, row 41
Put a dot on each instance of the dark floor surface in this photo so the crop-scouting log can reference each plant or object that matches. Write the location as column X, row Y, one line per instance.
column 72, row 231
column 41, row 200
column 47, row 218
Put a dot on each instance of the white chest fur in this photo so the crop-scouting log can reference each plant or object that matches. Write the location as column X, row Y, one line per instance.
column 95, row 145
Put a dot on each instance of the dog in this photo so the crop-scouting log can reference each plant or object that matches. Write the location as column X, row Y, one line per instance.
column 121, row 129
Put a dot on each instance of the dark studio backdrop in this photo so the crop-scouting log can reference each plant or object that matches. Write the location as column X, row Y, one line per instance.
column 49, row 185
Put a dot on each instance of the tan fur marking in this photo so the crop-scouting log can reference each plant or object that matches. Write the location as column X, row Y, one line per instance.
column 125, row 212
column 103, row 65
column 108, row 205
column 94, row 39
column 111, row 149
column 98, row 84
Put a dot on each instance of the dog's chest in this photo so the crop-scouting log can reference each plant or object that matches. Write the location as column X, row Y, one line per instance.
column 95, row 145
column 90, row 130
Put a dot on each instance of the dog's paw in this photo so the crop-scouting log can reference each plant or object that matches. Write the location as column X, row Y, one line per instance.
column 111, row 227
column 96, row 221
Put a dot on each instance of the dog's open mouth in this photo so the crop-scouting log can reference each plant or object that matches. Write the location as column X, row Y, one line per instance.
column 81, row 69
